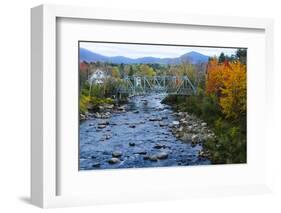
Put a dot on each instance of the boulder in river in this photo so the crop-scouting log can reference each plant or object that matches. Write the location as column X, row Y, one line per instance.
column 108, row 106
column 103, row 122
column 155, row 119
column 161, row 124
column 116, row 154
column 146, row 157
column 113, row 161
column 101, row 126
column 153, row 158
column 105, row 115
column 96, row 165
column 82, row 117
column 162, row 156
column 193, row 144
column 97, row 115
column 141, row 152
column 132, row 126
column 132, row 144
column 152, row 119
column 195, row 138
column 176, row 123
column 107, row 137
column 158, row 146
column 122, row 108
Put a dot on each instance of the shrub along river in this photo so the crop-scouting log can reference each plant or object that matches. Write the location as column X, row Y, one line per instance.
column 139, row 134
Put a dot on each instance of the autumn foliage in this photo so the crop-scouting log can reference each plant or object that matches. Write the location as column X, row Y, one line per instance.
column 227, row 80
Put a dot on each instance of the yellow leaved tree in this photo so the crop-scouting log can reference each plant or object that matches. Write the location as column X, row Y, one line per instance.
column 234, row 91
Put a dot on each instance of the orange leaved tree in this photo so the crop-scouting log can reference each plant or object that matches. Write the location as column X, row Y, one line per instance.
column 227, row 81
column 216, row 73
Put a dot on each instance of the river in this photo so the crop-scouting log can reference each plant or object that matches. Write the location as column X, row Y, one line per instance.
column 135, row 138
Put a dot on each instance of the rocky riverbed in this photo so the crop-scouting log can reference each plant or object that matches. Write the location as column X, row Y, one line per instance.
column 190, row 129
column 143, row 133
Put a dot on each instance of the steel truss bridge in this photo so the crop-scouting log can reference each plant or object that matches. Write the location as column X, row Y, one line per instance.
column 172, row 85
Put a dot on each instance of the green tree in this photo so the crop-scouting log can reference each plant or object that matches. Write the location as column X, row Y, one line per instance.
column 146, row 70
column 115, row 72
column 188, row 69
column 131, row 71
column 241, row 55
column 222, row 58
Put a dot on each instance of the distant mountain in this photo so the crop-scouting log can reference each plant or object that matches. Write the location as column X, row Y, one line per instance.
column 86, row 55
column 120, row 60
column 192, row 57
column 148, row 60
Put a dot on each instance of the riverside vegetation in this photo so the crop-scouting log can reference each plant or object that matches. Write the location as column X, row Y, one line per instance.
column 221, row 102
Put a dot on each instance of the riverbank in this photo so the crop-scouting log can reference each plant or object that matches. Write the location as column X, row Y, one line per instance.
column 103, row 111
column 190, row 129
column 224, row 141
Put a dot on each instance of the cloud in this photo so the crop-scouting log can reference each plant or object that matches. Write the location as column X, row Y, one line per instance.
column 144, row 50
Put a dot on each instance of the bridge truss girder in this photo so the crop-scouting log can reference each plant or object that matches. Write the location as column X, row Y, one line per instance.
column 169, row 84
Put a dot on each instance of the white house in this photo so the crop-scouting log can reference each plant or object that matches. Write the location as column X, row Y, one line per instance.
column 98, row 77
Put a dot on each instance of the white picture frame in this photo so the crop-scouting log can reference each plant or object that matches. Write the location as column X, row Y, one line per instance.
column 44, row 149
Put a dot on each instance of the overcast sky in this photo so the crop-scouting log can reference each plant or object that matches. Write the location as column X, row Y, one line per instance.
column 160, row 51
